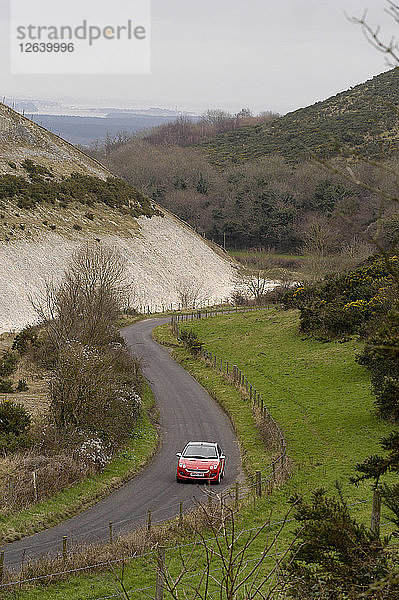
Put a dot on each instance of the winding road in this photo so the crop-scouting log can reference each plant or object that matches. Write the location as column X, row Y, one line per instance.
column 187, row 412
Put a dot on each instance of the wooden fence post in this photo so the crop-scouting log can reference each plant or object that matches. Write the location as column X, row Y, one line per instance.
column 180, row 514
column 160, row 573
column 111, row 537
column 149, row 521
column 376, row 512
column 34, row 481
column 64, row 548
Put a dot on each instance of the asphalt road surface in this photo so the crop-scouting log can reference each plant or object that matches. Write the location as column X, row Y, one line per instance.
column 187, row 412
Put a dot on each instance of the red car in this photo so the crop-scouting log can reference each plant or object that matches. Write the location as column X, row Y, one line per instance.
column 201, row 460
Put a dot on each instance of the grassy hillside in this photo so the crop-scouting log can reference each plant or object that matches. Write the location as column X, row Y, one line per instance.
column 316, row 391
column 363, row 119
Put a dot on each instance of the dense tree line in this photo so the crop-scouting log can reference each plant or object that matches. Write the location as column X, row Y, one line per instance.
column 265, row 202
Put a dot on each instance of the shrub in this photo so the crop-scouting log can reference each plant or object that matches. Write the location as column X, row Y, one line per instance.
column 345, row 304
column 22, row 386
column 14, row 426
column 24, row 340
column 14, row 418
column 334, row 556
column 381, row 357
column 91, row 390
column 8, row 363
column 189, row 338
column 34, row 169
column 6, row 386
column 53, row 473
column 87, row 189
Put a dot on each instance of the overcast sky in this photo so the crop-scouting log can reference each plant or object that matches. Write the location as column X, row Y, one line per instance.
column 263, row 54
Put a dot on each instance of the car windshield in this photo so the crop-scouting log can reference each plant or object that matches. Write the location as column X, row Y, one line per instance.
column 199, row 451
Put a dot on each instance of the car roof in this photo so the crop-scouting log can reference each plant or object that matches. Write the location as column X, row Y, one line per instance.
column 202, row 443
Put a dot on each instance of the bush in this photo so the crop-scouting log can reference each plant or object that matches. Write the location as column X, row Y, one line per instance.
column 8, row 363
column 26, row 339
column 189, row 338
column 93, row 390
column 334, row 556
column 381, row 357
column 14, row 418
column 6, row 386
column 345, row 304
column 87, row 189
column 22, row 386
column 53, row 473
column 14, row 425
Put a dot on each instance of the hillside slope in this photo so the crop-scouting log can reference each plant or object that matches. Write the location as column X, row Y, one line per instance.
column 362, row 119
column 165, row 257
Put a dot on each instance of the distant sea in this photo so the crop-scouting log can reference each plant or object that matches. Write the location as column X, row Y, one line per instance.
column 85, row 130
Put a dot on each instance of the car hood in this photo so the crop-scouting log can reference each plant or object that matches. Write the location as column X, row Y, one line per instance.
column 199, row 463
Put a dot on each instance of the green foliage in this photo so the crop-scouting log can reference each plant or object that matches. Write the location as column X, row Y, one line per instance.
column 26, row 339
column 14, row 425
column 345, row 304
column 363, row 119
column 8, row 363
column 333, row 557
column 189, row 338
column 87, row 189
column 35, row 170
column 6, row 386
column 381, row 357
column 13, row 418
column 327, row 194
column 22, row 386
column 376, row 466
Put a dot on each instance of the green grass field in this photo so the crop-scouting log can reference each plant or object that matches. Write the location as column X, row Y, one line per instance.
column 316, row 391
column 318, row 394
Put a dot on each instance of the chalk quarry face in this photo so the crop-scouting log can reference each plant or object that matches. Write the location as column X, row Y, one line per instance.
column 166, row 259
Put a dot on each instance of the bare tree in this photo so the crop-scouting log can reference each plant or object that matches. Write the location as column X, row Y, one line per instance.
column 84, row 306
column 236, row 563
column 190, row 294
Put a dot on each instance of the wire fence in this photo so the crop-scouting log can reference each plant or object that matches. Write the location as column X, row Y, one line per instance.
column 128, row 558
column 262, row 484
column 277, row 471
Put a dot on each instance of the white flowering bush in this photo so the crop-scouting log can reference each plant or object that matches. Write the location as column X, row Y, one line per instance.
column 95, row 452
